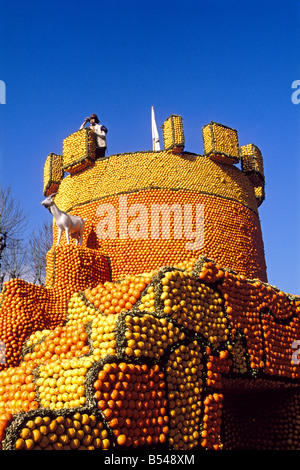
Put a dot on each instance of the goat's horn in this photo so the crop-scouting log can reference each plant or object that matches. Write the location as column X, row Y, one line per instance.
column 54, row 194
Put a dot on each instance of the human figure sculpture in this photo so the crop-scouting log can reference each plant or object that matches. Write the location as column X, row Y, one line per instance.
column 100, row 132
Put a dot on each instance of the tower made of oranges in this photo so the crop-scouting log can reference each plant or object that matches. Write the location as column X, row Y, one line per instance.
column 149, row 208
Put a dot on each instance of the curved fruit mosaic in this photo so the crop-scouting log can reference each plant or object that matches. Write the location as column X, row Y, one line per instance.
column 153, row 337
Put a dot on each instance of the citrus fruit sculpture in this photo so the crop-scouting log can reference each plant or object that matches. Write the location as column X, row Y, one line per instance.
column 160, row 331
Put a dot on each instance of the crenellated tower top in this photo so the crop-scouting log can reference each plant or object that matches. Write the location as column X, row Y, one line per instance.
column 221, row 145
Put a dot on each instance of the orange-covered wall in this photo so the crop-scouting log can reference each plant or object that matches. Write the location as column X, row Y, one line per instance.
column 232, row 234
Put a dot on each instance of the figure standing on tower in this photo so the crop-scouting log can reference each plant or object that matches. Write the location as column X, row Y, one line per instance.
column 100, row 131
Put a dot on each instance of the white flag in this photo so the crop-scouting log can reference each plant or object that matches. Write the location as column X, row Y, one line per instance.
column 155, row 136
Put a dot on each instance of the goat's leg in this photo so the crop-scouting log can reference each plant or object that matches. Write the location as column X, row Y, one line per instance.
column 67, row 235
column 82, row 230
column 75, row 236
column 58, row 237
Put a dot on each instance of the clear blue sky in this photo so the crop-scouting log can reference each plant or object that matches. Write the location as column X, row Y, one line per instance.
column 227, row 61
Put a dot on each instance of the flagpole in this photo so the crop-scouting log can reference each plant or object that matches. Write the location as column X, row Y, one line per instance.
column 155, row 136
column 153, row 139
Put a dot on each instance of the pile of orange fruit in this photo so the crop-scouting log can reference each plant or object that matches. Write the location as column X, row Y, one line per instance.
column 112, row 298
column 79, row 150
column 221, row 143
column 63, row 342
column 73, row 268
column 185, row 384
column 132, row 400
column 145, row 374
column 269, row 321
column 26, row 308
column 173, row 134
column 17, row 390
column 77, row 431
column 212, row 420
column 53, row 173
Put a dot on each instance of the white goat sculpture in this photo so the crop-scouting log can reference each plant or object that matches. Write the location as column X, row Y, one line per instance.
column 72, row 224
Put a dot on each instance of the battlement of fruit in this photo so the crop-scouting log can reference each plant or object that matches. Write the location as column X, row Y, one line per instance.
column 146, row 169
